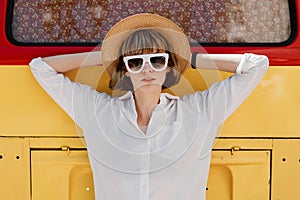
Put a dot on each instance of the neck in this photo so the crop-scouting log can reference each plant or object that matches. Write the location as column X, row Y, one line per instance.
column 145, row 102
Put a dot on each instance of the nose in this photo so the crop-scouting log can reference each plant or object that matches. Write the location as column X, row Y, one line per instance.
column 147, row 68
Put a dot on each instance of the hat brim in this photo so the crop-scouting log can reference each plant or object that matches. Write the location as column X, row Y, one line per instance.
column 120, row 31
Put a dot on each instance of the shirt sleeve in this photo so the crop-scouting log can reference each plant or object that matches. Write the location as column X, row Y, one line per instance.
column 218, row 102
column 76, row 99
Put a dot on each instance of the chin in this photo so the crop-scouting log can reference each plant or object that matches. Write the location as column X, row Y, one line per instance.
column 150, row 86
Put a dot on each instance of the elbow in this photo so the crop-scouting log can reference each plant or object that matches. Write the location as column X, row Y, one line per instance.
column 33, row 65
column 261, row 61
column 265, row 62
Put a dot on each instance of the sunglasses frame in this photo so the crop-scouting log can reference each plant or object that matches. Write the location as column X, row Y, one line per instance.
column 146, row 58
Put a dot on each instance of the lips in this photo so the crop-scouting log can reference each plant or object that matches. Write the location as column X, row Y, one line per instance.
column 148, row 79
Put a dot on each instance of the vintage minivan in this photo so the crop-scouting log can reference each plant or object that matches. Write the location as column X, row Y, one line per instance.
column 257, row 151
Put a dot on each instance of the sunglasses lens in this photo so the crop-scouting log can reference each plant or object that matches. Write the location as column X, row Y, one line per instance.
column 135, row 64
column 158, row 62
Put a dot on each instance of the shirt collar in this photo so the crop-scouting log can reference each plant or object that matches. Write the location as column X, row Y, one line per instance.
column 126, row 96
column 163, row 97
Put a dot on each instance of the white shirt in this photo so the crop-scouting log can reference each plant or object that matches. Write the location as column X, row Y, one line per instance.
column 171, row 161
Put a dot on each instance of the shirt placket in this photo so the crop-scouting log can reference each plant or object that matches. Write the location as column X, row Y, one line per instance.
column 144, row 177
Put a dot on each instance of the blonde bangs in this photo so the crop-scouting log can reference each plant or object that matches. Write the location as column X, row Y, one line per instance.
column 144, row 41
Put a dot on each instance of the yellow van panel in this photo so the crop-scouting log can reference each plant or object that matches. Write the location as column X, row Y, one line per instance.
column 286, row 169
column 14, row 169
column 59, row 175
column 241, row 175
column 66, row 175
column 272, row 110
column 26, row 110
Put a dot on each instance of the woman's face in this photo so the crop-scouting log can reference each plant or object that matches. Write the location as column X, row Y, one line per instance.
column 148, row 78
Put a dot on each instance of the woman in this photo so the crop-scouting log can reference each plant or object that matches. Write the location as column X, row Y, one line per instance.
column 147, row 144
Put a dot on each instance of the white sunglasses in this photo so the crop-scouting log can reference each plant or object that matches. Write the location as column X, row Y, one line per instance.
column 136, row 63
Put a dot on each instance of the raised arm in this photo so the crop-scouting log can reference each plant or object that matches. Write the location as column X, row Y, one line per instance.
column 222, row 98
column 68, row 62
column 223, row 62
column 76, row 99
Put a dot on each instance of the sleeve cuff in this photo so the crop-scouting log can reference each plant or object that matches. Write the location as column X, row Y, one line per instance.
column 39, row 64
column 239, row 68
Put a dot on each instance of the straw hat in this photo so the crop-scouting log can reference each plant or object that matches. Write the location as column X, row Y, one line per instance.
column 120, row 31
